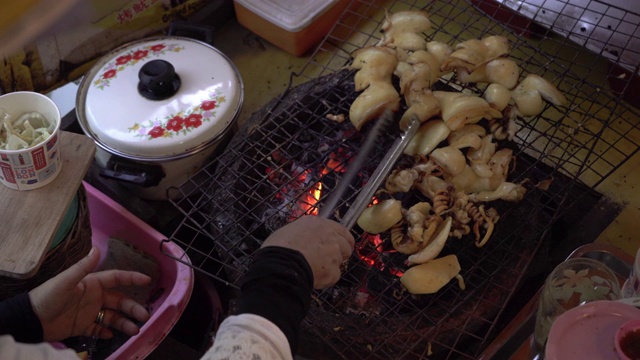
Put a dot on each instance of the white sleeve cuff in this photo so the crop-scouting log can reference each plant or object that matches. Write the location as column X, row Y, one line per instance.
column 245, row 335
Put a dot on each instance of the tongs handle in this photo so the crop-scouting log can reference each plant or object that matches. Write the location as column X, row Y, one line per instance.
column 369, row 143
column 364, row 197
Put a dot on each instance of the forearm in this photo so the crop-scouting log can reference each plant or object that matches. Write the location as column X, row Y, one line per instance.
column 278, row 288
column 18, row 320
column 249, row 336
column 10, row 350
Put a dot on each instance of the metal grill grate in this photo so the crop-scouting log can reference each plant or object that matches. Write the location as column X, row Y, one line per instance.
column 257, row 185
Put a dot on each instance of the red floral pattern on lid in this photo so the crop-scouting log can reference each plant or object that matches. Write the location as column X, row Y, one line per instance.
column 180, row 123
column 132, row 57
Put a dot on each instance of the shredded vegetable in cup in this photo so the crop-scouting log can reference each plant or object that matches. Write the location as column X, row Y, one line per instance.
column 28, row 130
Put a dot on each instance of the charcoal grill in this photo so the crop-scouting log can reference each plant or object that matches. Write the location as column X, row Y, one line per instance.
column 287, row 158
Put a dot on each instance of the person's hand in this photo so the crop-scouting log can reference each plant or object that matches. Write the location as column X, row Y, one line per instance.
column 325, row 244
column 68, row 304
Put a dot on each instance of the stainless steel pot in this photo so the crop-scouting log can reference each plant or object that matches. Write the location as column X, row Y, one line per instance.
column 157, row 109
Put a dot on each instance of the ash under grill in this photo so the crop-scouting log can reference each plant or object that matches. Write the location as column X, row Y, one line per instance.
column 289, row 156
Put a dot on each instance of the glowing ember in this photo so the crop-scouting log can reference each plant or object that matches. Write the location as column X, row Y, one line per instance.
column 312, row 199
column 336, row 162
column 307, row 203
column 371, row 251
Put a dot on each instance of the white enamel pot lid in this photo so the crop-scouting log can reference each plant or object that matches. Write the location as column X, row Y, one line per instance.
column 186, row 114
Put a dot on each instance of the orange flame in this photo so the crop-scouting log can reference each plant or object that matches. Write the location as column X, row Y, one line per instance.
column 314, row 198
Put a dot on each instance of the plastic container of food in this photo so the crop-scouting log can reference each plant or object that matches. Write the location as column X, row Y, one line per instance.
column 589, row 331
column 292, row 25
column 110, row 219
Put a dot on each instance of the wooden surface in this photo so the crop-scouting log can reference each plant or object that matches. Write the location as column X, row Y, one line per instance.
column 29, row 219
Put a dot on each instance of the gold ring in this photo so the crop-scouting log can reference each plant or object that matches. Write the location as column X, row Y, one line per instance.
column 100, row 317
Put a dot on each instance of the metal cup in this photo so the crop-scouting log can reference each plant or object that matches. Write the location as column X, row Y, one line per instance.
column 572, row 283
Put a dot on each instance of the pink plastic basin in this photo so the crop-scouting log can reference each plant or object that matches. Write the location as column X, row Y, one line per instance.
column 110, row 219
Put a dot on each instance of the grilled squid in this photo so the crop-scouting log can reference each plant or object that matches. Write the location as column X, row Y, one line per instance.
column 501, row 71
column 421, row 69
column 377, row 98
column 401, row 180
column 468, row 136
column 375, row 67
column 506, row 127
column 459, row 109
column 497, row 96
column 429, row 185
column 417, row 73
column 416, row 217
column 381, row 216
column 428, row 137
column 470, row 182
column 373, row 64
column 435, row 246
column 479, row 157
column 423, row 105
column 506, row 191
column 431, row 276
column 528, row 95
column 404, row 30
column 471, row 54
column 450, row 159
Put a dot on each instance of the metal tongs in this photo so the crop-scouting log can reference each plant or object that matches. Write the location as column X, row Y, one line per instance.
column 364, row 197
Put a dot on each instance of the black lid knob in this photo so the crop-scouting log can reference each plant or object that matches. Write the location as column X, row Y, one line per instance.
column 158, row 80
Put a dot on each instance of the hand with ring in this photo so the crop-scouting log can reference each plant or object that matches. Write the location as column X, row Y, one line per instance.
column 79, row 302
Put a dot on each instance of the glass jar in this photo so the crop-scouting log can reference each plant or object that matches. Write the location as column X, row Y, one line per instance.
column 572, row 283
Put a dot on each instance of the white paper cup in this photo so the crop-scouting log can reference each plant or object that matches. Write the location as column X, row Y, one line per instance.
column 38, row 165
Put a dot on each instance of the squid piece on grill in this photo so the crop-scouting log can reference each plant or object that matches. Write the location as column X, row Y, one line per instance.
column 470, row 182
column 422, row 229
column 497, row 96
column 431, row 276
column 421, row 225
column 528, row 95
column 501, row 71
column 468, row 136
column 471, row 54
column 421, row 69
column 381, row 216
column 465, row 211
column 506, row 127
column 428, row 137
column 416, row 217
column 479, row 157
column 404, row 30
column 459, row 109
column 423, row 105
column 375, row 68
column 377, row 98
column 401, row 180
column 435, row 246
column 373, row 64
column 418, row 72
column 507, row 191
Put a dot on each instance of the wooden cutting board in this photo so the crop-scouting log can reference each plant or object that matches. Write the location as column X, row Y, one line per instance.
column 30, row 219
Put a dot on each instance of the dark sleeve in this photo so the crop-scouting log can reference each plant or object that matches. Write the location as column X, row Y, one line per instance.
column 18, row 320
column 278, row 287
